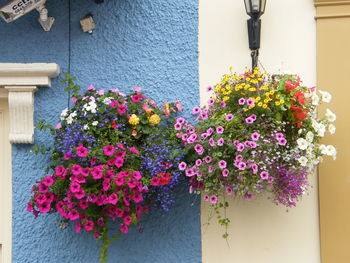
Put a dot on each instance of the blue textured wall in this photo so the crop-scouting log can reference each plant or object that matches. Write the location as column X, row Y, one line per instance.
column 149, row 43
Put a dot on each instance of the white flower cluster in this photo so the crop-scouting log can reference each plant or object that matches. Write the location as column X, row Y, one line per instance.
column 69, row 118
column 314, row 150
column 90, row 106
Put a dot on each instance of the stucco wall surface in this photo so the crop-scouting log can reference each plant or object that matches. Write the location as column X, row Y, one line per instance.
column 148, row 43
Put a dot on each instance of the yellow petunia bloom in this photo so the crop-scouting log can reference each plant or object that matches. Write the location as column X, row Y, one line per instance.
column 134, row 120
column 277, row 103
column 260, row 104
column 282, row 101
column 154, row 119
column 264, row 106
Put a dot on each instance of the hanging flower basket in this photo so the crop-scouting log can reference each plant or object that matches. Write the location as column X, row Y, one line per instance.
column 258, row 133
column 114, row 158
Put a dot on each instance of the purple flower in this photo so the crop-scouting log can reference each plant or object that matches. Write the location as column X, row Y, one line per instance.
column 222, row 164
column 199, row 149
column 222, row 104
column 198, row 162
column 229, row 117
column 225, row 172
column 206, row 198
column 177, row 126
column 282, row 141
column 182, row 166
column 255, row 136
column 211, row 101
column 220, row 142
column 180, row 120
column 204, row 136
column 229, row 191
column 204, row 116
column 241, row 101
column 207, row 159
column 210, row 131
column 210, row 169
column 255, row 168
column 264, row 175
column 248, row 196
column 253, row 116
column 253, row 145
column 250, row 102
column 240, row 147
column 279, row 135
column 213, row 199
column 189, row 172
column 195, row 110
column 211, row 142
column 239, row 157
column 242, row 166
column 208, row 89
column 220, row 129
column 249, row 120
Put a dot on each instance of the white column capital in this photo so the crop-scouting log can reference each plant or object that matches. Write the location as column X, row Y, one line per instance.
column 18, row 82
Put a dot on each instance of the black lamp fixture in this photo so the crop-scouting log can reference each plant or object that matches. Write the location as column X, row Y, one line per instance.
column 255, row 9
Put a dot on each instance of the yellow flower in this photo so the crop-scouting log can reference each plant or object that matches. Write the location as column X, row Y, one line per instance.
column 226, row 98
column 277, row 103
column 264, row 106
column 154, row 119
column 272, row 92
column 134, row 120
column 282, row 101
column 278, row 96
column 260, row 104
column 257, row 98
column 266, row 100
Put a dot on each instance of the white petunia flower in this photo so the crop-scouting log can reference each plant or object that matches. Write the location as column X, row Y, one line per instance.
column 330, row 116
column 302, row 160
column 107, row 101
column 309, row 136
column 321, row 129
column 302, row 143
column 331, row 128
column 64, row 114
column 325, row 96
column 86, row 127
column 94, row 123
column 331, row 151
column 69, row 119
column 315, row 99
column 323, row 149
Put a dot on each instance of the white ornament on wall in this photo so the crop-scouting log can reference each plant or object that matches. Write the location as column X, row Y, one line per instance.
column 18, row 82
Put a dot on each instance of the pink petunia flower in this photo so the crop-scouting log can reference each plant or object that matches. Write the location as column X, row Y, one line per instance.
column 182, row 166
column 225, row 172
column 44, row 207
column 43, row 188
column 58, row 126
column 73, row 214
column 89, row 225
column 82, row 151
column 195, row 110
column 113, row 199
column 207, row 159
column 282, row 141
column 124, row 228
column 198, row 162
column 222, row 164
column 229, row 191
column 213, row 199
column 48, row 181
column 74, row 187
column 119, row 162
column 121, row 109
column 189, row 172
column 220, row 142
column 59, row 170
column 133, row 150
column 108, row 150
column 250, row 102
column 77, row 227
column 241, row 101
column 76, row 169
column 206, row 198
column 137, row 197
column 264, row 175
column 229, row 117
column 83, row 204
column 255, row 136
column 220, row 129
column 155, row 181
column 136, row 175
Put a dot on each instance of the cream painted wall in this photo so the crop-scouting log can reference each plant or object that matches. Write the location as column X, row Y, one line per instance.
column 5, row 184
column 260, row 232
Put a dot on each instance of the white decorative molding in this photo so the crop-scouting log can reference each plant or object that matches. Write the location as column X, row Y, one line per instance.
column 18, row 82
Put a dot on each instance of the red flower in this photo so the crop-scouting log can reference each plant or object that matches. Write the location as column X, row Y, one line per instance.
column 165, row 180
